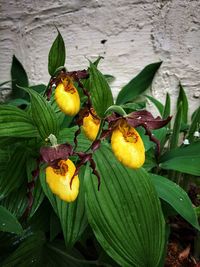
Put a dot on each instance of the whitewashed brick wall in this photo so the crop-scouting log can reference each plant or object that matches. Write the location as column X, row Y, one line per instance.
column 137, row 32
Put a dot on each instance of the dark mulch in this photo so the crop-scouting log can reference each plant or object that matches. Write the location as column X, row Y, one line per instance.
column 180, row 250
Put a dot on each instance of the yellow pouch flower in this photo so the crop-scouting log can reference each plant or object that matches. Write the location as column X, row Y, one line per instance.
column 91, row 125
column 128, row 146
column 67, row 97
column 59, row 180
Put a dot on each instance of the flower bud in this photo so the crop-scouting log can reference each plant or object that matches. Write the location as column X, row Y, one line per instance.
column 186, row 142
column 196, row 134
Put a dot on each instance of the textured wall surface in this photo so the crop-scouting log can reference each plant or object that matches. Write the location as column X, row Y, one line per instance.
column 137, row 32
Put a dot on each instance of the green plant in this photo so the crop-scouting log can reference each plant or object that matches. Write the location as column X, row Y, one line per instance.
column 117, row 217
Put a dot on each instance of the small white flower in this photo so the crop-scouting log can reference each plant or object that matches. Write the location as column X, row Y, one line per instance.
column 186, row 142
column 196, row 134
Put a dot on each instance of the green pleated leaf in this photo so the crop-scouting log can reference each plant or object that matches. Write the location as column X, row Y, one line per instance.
column 184, row 159
column 8, row 222
column 174, row 195
column 43, row 114
column 67, row 135
column 29, row 253
column 117, row 109
column 101, row 94
column 72, row 215
column 194, row 124
column 109, row 78
column 55, row 227
column 19, row 77
column 167, row 107
column 191, row 151
column 14, row 174
column 38, row 196
column 157, row 103
column 15, row 122
column 138, row 84
column 134, row 106
column 125, row 214
column 40, row 88
column 56, row 54
column 183, row 98
column 16, row 202
column 18, row 102
column 184, row 164
column 37, row 192
column 4, row 157
column 57, row 256
column 176, row 128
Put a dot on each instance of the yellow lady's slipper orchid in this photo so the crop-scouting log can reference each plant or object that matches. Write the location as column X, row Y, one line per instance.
column 59, row 180
column 91, row 125
column 128, row 146
column 67, row 97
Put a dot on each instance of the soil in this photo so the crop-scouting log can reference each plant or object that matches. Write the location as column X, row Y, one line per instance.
column 180, row 250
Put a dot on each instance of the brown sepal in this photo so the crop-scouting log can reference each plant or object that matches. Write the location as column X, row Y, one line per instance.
column 143, row 117
column 53, row 154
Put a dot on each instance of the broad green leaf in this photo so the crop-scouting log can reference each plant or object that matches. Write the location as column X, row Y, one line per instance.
column 167, row 107
column 150, row 161
column 134, row 106
column 15, row 122
column 55, row 226
column 101, row 94
column 184, row 164
column 138, row 84
column 16, row 202
column 14, row 174
column 96, row 62
column 7, row 142
column 29, row 253
column 67, row 135
column 174, row 195
column 72, row 215
column 117, row 109
column 8, row 222
column 125, row 214
column 191, row 151
column 57, row 256
column 109, row 78
column 159, row 134
column 43, row 114
column 197, row 211
column 56, row 54
column 40, row 221
column 157, row 103
column 18, row 102
column 4, row 157
column 194, row 125
column 38, row 196
column 176, row 128
column 38, row 88
column 183, row 98
column 19, row 77
column 184, row 159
